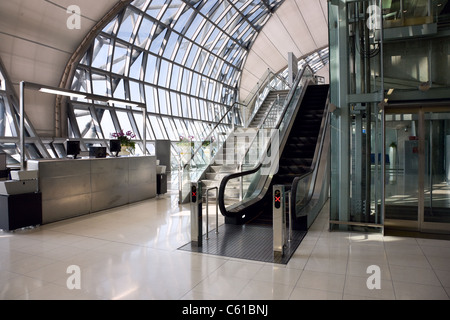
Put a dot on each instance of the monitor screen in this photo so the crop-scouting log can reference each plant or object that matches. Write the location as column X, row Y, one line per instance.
column 97, row 152
column 114, row 146
column 73, row 148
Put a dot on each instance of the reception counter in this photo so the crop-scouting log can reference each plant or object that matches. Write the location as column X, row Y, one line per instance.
column 73, row 188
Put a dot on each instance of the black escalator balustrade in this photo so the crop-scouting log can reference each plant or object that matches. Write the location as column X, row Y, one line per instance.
column 296, row 158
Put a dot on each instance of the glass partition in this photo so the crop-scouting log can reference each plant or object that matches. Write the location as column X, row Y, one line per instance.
column 397, row 13
column 302, row 189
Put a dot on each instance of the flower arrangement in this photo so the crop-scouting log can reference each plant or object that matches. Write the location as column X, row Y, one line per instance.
column 186, row 142
column 125, row 139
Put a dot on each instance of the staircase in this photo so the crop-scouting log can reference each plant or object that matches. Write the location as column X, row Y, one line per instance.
column 233, row 150
column 227, row 161
column 278, row 96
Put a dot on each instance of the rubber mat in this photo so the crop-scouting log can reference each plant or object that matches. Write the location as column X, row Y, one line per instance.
column 251, row 242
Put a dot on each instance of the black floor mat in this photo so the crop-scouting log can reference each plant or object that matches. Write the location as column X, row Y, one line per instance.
column 249, row 242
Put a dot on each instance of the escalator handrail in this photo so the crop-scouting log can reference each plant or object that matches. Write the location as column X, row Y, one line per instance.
column 225, row 179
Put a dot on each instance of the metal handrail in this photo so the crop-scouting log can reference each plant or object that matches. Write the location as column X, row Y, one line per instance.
column 274, row 103
column 212, row 131
column 207, row 211
column 254, row 111
column 271, row 75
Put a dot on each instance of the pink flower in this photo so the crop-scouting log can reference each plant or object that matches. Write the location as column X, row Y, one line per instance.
column 125, row 136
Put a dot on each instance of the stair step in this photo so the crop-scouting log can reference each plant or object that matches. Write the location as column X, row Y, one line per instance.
column 224, row 168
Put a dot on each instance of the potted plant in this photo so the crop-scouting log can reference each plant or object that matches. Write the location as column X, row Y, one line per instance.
column 126, row 142
column 186, row 142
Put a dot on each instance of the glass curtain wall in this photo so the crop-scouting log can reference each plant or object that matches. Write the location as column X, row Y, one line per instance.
column 35, row 147
column 183, row 59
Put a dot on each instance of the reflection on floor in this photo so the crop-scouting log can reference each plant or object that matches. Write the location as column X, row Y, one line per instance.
column 131, row 252
column 402, row 198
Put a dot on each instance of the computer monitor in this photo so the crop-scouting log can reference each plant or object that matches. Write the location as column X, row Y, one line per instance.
column 73, row 148
column 97, row 152
column 115, row 147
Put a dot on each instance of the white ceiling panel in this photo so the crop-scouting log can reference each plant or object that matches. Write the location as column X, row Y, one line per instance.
column 298, row 26
column 269, row 52
column 315, row 19
column 36, row 44
column 249, row 79
column 278, row 35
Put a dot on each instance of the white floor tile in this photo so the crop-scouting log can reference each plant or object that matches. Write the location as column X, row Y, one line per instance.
column 300, row 293
column 357, row 286
column 52, row 291
column 444, row 277
column 414, row 291
column 278, row 275
column 408, row 260
column 414, row 275
column 13, row 288
column 224, row 287
column 132, row 252
column 361, row 268
column 326, row 264
column 322, row 281
column 264, row 290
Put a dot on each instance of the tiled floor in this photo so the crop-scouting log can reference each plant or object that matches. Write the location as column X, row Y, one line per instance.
column 132, row 253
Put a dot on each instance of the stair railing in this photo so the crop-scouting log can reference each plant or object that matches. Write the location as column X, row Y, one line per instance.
column 273, row 114
column 269, row 80
column 259, row 93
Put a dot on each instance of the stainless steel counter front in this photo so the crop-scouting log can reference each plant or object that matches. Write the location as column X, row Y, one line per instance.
column 72, row 188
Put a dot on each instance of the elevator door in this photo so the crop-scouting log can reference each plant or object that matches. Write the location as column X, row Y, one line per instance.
column 417, row 176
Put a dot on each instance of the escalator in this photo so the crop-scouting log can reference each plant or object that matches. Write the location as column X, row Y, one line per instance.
column 297, row 149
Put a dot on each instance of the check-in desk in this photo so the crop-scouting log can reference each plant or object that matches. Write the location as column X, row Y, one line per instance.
column 77, row 187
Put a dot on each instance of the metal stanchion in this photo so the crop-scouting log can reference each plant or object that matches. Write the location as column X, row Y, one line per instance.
column 207, row 211
column 279, row 220
column 196, row 214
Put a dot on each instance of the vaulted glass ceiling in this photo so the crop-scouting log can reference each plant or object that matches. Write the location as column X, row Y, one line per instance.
column 182, row 58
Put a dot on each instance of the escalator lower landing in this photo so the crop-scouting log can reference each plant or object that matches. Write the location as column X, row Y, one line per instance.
column 258, row 242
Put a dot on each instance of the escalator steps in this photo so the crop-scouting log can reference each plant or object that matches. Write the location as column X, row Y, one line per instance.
column 258, row 242
column 298, row 153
